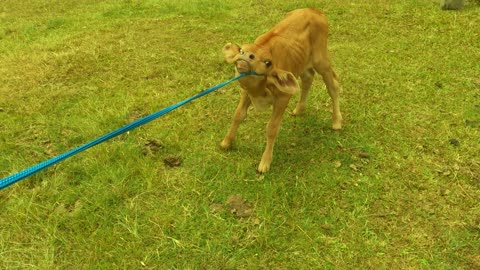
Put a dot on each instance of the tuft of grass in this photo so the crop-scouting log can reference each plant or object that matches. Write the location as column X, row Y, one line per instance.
column 398, row 187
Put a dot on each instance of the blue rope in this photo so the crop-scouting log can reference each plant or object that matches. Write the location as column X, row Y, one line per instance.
column 7, row 181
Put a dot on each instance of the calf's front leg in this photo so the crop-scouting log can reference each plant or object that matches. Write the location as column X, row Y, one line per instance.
column 273, row 126
column 238, row 117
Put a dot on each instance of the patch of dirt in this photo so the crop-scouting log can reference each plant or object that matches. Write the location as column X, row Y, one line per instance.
column 153, row 75
column 454, row 142
column 474, row 261
column 235, row 205
column 216, row 208
column 136, row 114
column 363, row 154
column 49, row 149
column 172, row 161
column 472, row 123
column 152, row 147
column 477, row 83
column 238, row 206
column 70, row 209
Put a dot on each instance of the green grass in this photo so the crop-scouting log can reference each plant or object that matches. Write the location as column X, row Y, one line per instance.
column 389, row 191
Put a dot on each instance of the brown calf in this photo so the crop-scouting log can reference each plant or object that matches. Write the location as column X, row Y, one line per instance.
column 295, row 47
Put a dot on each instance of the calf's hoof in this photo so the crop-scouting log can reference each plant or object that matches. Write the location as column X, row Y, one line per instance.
column 337, row 122
column 298, row 111
column 337, row 126
column 263, row 167
column 225, row 145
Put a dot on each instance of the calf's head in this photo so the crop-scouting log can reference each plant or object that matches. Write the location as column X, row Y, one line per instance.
column 253, row 58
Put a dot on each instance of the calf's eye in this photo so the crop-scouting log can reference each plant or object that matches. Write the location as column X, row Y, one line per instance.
column 268, row 63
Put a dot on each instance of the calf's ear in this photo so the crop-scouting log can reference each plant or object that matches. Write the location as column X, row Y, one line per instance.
column 284, row 81
column 230, row 50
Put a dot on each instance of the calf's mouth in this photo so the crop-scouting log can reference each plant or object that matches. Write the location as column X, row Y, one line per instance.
column 242, row 66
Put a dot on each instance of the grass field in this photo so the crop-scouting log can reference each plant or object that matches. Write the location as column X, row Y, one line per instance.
column 398, row 188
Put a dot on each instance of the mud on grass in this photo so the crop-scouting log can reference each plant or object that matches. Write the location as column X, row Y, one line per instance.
column 398, row 187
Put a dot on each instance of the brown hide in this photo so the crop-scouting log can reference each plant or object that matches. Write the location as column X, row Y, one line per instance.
column 294, row 48
column 294, row 41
